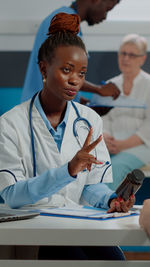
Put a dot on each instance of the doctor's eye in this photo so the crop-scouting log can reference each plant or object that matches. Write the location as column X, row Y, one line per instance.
column 66, row 70
column 82, row 73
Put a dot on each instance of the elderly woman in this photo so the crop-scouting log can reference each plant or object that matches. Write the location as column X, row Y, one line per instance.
column 127, row 130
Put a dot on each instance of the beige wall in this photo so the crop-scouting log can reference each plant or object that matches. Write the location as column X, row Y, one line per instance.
column 19, row 21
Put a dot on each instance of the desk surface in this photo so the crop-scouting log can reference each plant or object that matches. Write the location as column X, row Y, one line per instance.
column 46, row 230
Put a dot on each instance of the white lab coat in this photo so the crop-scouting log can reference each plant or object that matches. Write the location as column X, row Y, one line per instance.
column 121, row 123
column 16, row 153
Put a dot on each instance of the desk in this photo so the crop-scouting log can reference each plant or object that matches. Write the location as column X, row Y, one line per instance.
column 45, row 230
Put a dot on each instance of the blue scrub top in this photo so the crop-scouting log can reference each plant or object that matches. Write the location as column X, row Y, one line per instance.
column 33, row 80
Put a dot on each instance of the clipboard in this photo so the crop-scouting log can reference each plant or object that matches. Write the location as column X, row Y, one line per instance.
column 122, row 102
column 84, row 212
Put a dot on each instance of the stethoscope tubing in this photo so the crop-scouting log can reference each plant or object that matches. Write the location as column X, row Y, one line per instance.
column 79, row 118
column 32, row 135
column 8, row 171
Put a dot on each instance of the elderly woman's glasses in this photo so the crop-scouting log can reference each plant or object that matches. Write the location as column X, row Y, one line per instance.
column 130, row 55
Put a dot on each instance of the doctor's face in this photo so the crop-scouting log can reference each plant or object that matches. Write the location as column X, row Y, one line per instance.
column 65, row 74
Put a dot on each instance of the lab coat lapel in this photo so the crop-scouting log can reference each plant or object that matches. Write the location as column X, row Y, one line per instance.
column 45, row 146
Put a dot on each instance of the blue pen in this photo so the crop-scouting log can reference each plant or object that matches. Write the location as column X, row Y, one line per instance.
column 102, row 82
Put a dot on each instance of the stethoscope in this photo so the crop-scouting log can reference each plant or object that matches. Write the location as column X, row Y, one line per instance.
column 86, row 125
column 80, row 119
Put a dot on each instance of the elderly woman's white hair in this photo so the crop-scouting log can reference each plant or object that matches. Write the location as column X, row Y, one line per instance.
column 136, row 39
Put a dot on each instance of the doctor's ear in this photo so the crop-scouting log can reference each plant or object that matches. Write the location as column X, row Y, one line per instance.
column 43, row 68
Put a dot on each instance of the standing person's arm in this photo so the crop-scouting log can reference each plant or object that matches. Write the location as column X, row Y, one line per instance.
column 109, row 89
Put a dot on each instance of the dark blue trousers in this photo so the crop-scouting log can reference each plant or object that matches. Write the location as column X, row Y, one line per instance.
column 80, row 253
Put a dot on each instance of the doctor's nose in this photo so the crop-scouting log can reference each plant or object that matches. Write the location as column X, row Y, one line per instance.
column 74, row 79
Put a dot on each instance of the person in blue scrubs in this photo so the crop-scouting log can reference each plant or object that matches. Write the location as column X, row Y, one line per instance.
column 63, row 62
column 92, row 12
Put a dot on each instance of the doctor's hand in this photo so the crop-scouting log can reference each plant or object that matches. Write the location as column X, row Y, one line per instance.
column 120, row 205
column 83, row 160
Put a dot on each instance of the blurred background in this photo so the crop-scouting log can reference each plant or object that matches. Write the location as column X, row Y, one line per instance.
column 19, row 21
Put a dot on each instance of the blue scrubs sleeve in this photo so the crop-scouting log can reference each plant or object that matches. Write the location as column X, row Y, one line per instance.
column 32, row 190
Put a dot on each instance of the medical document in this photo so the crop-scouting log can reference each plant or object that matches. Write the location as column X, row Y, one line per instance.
column 121, row 101
column 82, row 212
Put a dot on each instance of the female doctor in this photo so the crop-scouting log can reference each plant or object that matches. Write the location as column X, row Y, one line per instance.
column 51, row 149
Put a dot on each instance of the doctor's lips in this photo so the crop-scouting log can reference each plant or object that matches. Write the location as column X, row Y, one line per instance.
column 71, row 91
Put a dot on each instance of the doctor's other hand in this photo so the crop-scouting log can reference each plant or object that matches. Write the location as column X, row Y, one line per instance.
column 120, row 205
column 83, row 160
column 109, row 89
column 144, row 219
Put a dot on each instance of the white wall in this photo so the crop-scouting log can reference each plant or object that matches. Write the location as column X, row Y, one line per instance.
column 20, row 19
